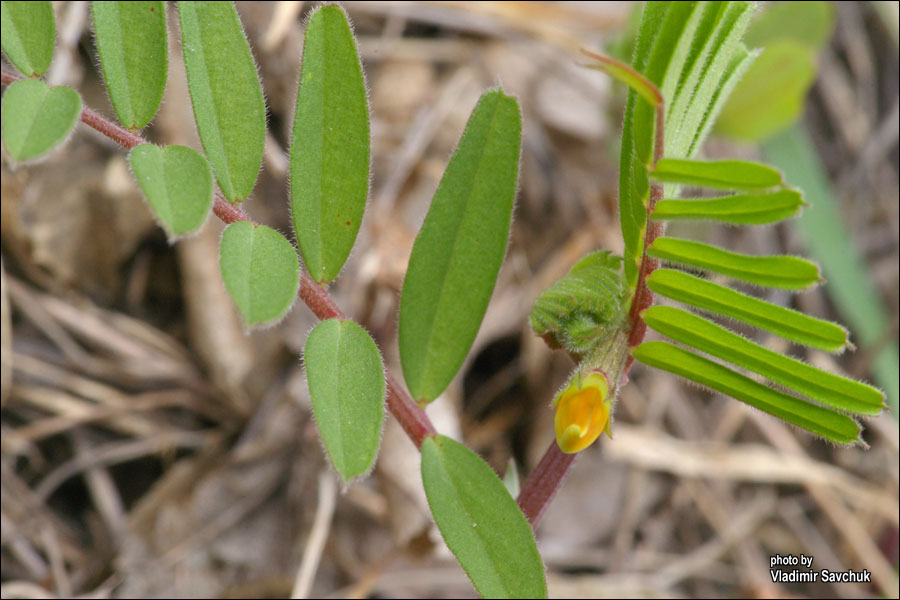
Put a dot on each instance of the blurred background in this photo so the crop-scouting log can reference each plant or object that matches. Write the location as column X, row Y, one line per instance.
column 151, row 448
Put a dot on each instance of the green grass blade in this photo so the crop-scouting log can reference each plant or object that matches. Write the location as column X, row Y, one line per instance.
column 37, row 118
column 712, row 297
column 260, row 270
column 346, row 385
column 739, row 209
column 177, row 183
column 28, row 33
column 330, row 145
column 718, row 174
column 228, row 102
column 786, row 272
column 458, row 252
column 481, row 522
column 133, row 49
column 821, row 421
column 829, row 389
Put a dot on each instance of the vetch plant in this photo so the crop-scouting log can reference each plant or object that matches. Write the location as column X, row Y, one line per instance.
column 688, row 57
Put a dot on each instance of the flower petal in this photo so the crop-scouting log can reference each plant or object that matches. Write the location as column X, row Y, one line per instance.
column 581, row 412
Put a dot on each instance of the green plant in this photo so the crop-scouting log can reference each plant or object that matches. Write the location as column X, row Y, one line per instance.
column 687, row 59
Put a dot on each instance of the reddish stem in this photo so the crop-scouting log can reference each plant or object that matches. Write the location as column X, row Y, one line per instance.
column 227, row 212
column 544, row 482
column 120, row 135
column 412, row 418
column 643, row 297
column 549, row 475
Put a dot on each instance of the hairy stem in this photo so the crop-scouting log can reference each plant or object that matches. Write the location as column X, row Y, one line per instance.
column 643, row 297
column 412, row 418
column 549, row 475
column 544, row 481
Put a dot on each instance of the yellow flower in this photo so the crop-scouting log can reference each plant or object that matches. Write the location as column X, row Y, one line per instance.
column 582, row 412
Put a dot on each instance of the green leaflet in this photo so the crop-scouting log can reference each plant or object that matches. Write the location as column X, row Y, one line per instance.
column 133, row 48
column 824, row 422
column 741, row 60
column 346, row 384
column 37, row 118
column 698, row 333
column 709, row 65
column 225, row 93
column 177, row 184
column 719, row 174
column 709, row 17
column 28, row 32
column 739, row 209
column 829, row 240
column 712, row 297
column 458, row 252
column 481, row 522
column 786, row 272
column 583, row 306
column 672, row 46
column 330, row 145
column 260, row 270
